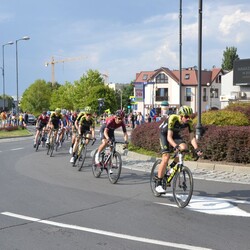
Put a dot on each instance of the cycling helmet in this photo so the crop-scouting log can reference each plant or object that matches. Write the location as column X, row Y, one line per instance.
column 185, row 111
column 120, row 113
column 58, row 110
column 88, row 110
column 64, row 111
column 48, row 113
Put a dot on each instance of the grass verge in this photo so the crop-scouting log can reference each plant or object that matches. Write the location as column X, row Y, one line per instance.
column 14, row 133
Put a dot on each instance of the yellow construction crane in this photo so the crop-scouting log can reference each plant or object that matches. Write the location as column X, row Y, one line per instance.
column 53, row 62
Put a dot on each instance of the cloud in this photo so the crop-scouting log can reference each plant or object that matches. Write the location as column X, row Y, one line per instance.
column 233, row 20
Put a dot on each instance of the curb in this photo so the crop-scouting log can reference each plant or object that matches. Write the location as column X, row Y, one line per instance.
column 213, row 166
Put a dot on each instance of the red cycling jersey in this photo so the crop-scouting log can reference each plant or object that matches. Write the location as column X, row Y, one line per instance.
column 111, row 124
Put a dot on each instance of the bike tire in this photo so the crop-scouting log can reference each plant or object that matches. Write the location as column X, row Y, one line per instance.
column 114, row 168
column 38, row 143
column 83, row 156
column 183, row 186
column 96, row 170
column 153, row 174
column 52, row 147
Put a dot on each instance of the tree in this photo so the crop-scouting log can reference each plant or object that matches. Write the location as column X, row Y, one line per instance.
column 63, row 97
column 36, row 98
column 229, row 56
column 90, row 88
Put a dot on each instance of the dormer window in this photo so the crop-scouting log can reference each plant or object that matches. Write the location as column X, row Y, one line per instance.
column 187, row 76
column 145, row 77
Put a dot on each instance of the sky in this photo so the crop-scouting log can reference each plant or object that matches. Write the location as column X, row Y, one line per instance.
column 117, row 38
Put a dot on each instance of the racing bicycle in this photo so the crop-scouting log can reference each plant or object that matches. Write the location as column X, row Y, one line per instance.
column 111, row 162
column 181, row 178
column 81, row 152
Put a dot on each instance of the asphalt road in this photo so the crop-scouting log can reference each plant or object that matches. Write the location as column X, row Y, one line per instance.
column 48, row 204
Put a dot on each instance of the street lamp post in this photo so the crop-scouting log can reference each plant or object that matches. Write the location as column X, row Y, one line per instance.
column 9, row 43
column 17, row 97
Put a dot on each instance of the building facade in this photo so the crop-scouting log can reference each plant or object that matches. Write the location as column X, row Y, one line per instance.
column 152, row 89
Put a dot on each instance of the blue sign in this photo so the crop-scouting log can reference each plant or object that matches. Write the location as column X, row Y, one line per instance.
column 152, row 112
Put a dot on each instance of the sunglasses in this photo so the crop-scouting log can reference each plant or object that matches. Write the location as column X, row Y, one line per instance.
column 187, row 116
column 88, row 114
column 119, row 118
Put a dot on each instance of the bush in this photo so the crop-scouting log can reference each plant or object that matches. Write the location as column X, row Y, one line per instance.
column 243, row 108
column 224, row 118
column 228, row 143
column 147, row 136
column 9, row 128
column 219, row 143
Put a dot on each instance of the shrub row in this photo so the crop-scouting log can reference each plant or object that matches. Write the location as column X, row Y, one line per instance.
column 9, row 128
column 219, row 143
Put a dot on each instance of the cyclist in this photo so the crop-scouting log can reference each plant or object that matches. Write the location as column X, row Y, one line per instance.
column 65, row 123
column 73, row 130
column 170, row 139
column 41, row 124
column 107, row 132
column 85, row 126
column 54, row 123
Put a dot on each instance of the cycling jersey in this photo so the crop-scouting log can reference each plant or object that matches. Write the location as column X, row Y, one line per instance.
column 86, row 125
column 56, row 120
column 173, row 123
column 111, row 125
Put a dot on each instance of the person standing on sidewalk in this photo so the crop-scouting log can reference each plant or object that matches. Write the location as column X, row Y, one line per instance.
column 170, row 139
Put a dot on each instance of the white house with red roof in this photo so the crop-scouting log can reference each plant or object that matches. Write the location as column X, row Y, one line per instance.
column 152, row 89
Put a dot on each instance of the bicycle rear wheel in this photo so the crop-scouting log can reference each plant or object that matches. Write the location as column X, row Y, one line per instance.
column 115, row 168
column 153, row 179
column 95, row 169
column 183, row 187
column 82, row 158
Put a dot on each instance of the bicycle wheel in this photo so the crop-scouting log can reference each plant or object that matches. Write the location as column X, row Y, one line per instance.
column 38, row 142
column 52, row 146
column 82, row 158
column 183, row 187
column 95, row 169
column 153, row 179
column 115, row 168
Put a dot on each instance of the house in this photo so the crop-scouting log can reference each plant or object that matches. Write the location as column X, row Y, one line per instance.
column 235, row 85
column 155, row 89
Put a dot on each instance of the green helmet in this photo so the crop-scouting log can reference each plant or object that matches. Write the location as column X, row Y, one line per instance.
column 185, row 110
column 88, row 110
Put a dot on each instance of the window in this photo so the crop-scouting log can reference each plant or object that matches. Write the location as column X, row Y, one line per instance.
column 161, row 78
column 214, row 93
column 188, row 95
column 187, row 76
column 161, row 94
column 204, row 95
column 145, row 77
column 218, row 79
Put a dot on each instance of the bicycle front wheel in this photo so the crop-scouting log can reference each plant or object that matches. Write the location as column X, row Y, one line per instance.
column 95, row 169
column 52, row 146
column 38, row 143
column 183, row 187
column 153, row 179
column 82, row 158
column 115, row 168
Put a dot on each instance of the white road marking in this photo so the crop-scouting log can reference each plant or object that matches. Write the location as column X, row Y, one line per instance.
column 106, row 233
column 14, row 149
column 216, row 206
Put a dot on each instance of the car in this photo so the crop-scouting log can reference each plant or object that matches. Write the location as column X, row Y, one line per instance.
column 31, row 119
